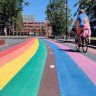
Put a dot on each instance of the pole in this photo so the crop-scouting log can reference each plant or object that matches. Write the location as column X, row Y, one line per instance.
column 66, row 18
column 9, row 24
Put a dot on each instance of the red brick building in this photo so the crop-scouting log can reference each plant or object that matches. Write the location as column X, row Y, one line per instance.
column 34, row 26
column 31, row 26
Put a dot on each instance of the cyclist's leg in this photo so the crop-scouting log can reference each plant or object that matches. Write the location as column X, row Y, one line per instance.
column 89, row 39
column 87, row 33
column 81, row 37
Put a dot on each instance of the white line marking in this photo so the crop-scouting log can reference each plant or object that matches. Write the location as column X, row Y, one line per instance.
column 52, row 66
column 48, row 47
column 51, row 52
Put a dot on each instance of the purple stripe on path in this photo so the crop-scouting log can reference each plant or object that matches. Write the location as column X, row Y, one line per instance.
column 86, row 64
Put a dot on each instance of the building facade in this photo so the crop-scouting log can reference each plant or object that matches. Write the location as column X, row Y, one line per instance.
column 32, row 26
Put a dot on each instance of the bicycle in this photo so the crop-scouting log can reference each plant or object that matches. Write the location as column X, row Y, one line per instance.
column 83, row 42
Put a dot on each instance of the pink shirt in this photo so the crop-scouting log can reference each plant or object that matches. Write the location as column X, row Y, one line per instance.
column 87, row 30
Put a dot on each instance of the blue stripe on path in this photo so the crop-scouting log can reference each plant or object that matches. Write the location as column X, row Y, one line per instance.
column 72, row 80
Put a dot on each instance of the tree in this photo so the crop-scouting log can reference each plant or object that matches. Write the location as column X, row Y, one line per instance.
column 10, row 12
column 88, row 5
column 42, row 32
column 56, row 15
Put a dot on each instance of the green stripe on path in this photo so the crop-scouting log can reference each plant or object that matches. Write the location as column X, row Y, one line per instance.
column 27, row 81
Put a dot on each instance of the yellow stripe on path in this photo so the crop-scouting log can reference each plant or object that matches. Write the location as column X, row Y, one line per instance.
column 9, row 70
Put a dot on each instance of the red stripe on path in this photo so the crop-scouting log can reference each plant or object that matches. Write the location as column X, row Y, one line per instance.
column 15, row 53
column 8, row 50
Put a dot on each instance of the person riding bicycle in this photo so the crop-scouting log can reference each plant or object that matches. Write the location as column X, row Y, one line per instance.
column 82, row 25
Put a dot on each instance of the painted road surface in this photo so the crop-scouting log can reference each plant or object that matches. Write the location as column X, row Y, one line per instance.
column 38, row 67
column 76, row 73
column 22, row 75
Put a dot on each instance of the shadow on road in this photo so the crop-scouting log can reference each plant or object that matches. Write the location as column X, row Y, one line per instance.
column 70, row 50
column 60, row 41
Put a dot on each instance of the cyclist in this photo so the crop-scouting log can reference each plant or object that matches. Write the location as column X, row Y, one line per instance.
column 82, row 25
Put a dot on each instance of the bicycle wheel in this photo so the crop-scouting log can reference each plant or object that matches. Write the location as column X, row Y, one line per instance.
column 77, row 45
column 85, row 44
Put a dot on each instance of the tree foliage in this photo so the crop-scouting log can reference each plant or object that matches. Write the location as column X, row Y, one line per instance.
column 88, row 5
column 42, row 32
column 10, row 11
column 56, row 15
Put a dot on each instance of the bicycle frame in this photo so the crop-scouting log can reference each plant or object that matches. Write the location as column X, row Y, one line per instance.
column 82, row 41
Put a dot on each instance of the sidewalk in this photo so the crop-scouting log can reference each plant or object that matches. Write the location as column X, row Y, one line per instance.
column 10, row 42
column 73, row 41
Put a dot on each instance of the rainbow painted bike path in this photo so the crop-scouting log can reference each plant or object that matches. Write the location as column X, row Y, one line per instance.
column 76, row 73
column 22, row 67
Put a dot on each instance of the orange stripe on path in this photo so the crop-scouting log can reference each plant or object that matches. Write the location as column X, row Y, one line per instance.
column 8, row 50
column 15, row 52
column 9, row 70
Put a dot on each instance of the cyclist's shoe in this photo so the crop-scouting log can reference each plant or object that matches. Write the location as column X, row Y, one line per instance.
column 82, row 44
column 79, row 45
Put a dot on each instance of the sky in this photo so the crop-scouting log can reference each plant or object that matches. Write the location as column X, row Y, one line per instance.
column 38, row 7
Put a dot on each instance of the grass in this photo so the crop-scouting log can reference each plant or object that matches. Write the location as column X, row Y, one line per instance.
column 93, row 38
